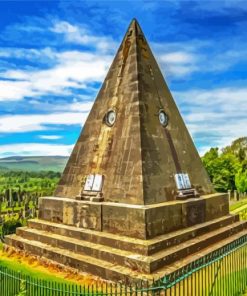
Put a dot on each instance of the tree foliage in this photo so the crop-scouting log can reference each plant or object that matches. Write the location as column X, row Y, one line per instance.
column 18, row 183
column 241, row 177
column 227, row 168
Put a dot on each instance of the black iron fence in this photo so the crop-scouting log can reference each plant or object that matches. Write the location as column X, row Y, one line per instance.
column 220, row 273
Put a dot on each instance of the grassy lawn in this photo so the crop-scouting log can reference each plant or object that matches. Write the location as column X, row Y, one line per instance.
column 42, row 270
column 29, row 270
column 238, row 204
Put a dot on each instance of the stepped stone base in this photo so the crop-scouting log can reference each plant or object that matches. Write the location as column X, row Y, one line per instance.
column 124, row 258
column 120, row 258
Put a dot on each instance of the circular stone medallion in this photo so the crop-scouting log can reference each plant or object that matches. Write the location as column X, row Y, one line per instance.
column 163, row 118
column 110, row 118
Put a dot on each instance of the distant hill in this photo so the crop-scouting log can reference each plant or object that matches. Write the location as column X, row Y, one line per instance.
column 34, row 163
column 57, row 163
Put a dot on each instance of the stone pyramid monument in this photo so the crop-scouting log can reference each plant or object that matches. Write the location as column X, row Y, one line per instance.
column 134, row 197
column 134, row 136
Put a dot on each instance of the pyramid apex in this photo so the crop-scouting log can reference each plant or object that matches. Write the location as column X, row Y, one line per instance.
column 134, row 23
column 134, row 20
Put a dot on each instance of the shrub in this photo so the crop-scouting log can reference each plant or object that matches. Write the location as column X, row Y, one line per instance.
column 10, row 226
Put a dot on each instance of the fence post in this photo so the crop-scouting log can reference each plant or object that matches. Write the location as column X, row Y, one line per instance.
column 229, row 194
column 236, row 196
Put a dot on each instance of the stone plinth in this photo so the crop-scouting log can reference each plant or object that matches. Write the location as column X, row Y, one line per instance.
column 143, row 222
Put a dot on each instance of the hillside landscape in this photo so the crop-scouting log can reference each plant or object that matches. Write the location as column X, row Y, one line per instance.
column 33, row 163
column 227, row 167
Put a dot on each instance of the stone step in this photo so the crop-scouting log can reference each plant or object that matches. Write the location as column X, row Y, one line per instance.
column 106, row 253
column 138, row 246
column 102, row 238
column 178, row 237
column 96, row 267
column 174, row 267
column 145, row 264
column 192, row 246
column 116, row 272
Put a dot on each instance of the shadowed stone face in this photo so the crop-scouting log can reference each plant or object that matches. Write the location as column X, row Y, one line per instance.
column 134, row 135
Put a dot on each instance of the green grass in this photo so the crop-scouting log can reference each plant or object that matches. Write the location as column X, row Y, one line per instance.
column 33, row 271
column 238, row 204
column 19, row 266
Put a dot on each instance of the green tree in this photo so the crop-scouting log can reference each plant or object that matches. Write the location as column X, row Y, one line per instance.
column 241, row 181
column 222, row 169
column 241, row 178
column 209, row 160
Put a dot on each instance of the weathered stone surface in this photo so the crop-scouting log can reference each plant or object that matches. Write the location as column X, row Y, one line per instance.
column 171, row 216
column 217, row 207
column 124, row 220
column 138, row 246
column 51, row 210
column 138, row 221
column 163, row 219
column 71, row 212
column 116, row 264
column 137, row 156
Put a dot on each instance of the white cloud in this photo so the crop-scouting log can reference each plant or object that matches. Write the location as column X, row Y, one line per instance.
column 178, row 63
column 215, row 117
column 27, row 53
column 80, row 106
column 74, row 69
column 177, row 57
column 189, row 57
column 35, row 149
column 50, row 137
column 27, row 123
column 15, row 90
column 176, row 70
column 79, row 35
column 65, row 70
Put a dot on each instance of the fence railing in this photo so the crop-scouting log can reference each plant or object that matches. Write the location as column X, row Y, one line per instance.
column 220, row 273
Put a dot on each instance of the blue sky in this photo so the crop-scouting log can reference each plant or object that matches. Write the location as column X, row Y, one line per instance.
column 54, row 56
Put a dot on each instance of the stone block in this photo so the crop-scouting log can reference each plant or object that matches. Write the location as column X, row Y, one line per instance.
column 163, row 219
column 124, row 220
column 71, row 212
